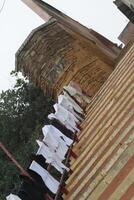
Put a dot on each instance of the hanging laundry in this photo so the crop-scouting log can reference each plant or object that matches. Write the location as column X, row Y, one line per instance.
column 49, row 181
column 63, row 121
column 74, row 93
column 66, row 117
column 76, row 106
column 13, row 197
column 66, row 114
column 68, row 105
column 55, row 143
column 51, row 130
column 75, row 86
column 77, row 93
column 62, row 128
column 39, row 159
column 52, row 157
column 60, row 149
column 42, row 162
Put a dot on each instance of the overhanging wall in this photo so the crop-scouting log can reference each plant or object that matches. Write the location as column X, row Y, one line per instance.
column 52, row 56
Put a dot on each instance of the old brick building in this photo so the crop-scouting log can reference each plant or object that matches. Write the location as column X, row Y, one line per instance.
column 104, row 168
column 62, row 50
column 126, row 7
column 127, row 34
column 56, row 53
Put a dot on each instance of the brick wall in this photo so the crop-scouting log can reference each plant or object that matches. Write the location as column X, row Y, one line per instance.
column 52, row 56
column 104, row 169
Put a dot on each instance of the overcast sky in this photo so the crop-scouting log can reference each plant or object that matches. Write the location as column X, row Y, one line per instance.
column 17, row 21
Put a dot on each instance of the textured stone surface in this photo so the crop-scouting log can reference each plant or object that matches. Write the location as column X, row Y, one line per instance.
column 51, row 57
column 104, row 168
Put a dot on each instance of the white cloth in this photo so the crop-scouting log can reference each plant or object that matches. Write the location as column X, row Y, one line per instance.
column 66, row 124
column 49, row 181
column 55, row 143
column 85, row 97
column 80, row 97
column 51, row 130
column 72, row 91
column 12, row 197
column 39, row 143
column 52, row 157
column 75, row 105
column 65, row 115
column 76, row 86
column 68, row 105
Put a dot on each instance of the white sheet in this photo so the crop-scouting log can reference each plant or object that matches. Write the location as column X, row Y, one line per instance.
column 12, row 197
column 56, row 144
column 66, row 124
column 52, row 157
column 75, row 105
column 66, row 116
column 68, row 105
column 49, row 181
column 50, row 129
column 77, row 94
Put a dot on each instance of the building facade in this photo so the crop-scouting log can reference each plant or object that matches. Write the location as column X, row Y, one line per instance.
column 62, row 50
column 104, row 168
column 127, row 34
column 126, row 7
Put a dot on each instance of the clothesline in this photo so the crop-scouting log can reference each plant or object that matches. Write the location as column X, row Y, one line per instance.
column 62, row 177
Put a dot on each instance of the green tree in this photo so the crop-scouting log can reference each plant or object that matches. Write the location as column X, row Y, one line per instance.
column 23, row 112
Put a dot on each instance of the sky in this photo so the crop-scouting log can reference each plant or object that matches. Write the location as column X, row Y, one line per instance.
column 17, row 21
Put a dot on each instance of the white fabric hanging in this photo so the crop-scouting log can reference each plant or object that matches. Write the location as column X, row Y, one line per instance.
column 68, row 105
column 52, row 157
column 75, row 105
column 50, row 129
column 39, row 143
column 61, row 119
column 72, row 91
column 49, row 154
column 12, row 197
column 55, row 144
column 55, row 116
column 76, row 86
column 84, row 96
column 77, row 94
column 66, row 116
column 49, row 181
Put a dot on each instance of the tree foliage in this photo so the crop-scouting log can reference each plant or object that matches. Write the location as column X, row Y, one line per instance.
column 23, row 112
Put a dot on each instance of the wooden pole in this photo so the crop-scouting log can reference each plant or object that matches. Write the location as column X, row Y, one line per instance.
column 12, row 158
column 22, row 170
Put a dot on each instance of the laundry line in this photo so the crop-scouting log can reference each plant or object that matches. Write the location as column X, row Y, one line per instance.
column 69, row 111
